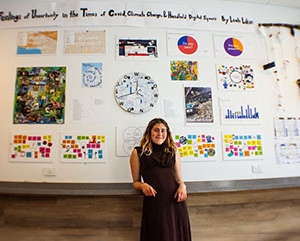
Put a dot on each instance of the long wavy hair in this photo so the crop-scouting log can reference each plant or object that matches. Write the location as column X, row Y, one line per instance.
column 146, row 142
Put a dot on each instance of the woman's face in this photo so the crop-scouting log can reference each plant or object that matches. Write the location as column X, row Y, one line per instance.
column 159, row 133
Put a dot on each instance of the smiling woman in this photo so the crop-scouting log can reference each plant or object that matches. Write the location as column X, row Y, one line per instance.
column 156, row 171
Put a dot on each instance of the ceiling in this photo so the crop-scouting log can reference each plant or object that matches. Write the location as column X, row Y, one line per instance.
column 285, row 3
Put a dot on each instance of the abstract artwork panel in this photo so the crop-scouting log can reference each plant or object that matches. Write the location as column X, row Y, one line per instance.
column 40, row 95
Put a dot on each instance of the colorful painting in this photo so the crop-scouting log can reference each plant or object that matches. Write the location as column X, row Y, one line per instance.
column 87, row 148
column 36, row 43
column 196, row 147
column 92, row 75
column 242, row 146
column 40, row 95
column 184, row 70
column 235, row 77
column 31, row 147
column 198, row 105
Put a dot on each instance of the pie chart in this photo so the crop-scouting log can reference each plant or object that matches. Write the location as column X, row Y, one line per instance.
column 187, row 45
column 233, row 47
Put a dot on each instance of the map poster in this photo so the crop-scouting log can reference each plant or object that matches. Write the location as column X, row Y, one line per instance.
column 198, row 105
column 184, row 70
column 40, row 42
column 91, row 75
column 85, row 42
column 40, row 95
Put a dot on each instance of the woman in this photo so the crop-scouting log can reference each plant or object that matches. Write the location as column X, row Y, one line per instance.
column 156, row 171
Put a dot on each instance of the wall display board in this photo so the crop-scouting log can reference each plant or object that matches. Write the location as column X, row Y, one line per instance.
column 80, row 81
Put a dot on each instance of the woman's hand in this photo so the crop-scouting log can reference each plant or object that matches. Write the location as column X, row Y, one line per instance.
column 181, row 194
column 148, row 190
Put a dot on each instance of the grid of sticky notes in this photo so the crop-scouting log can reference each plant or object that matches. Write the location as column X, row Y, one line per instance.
column 242, row 146
column 82, row 147
column 31, row 147
column 197, row 146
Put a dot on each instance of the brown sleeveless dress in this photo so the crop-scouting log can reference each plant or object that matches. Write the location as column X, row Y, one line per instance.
column 163, row 218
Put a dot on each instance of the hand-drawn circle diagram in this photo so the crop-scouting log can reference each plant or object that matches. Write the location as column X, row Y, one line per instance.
column 92, row 77
column 131, row 138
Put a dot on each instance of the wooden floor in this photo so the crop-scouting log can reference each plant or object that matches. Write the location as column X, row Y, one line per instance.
column 269, row 215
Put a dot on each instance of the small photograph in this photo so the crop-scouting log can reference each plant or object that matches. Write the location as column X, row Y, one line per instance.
column 137, row 48
column 184, row 70
column 198, row 105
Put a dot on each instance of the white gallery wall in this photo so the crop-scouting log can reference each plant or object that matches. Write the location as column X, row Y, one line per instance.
column 93, row 110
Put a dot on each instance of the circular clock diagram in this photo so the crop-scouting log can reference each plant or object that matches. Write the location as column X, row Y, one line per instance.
column 136, row 92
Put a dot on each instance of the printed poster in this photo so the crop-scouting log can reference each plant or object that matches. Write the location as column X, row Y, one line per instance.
column 37, row 43
column 85, row 42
